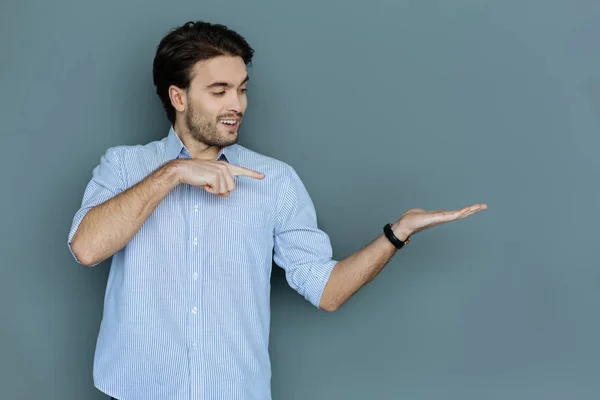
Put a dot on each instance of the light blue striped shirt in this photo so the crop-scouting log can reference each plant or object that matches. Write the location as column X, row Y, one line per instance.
column 187, row 303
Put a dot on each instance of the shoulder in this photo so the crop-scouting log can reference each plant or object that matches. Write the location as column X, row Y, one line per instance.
column 134, row 162
column 122, row 153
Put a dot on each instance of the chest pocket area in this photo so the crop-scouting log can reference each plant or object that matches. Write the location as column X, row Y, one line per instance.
column 244, row 235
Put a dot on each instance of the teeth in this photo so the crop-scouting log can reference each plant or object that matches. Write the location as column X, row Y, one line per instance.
column 228, row 121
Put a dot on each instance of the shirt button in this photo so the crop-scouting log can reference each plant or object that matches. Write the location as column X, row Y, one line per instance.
column 195, row 241
column 194, row 310
column 195, row 275
column 194, row 345
column 196, row 208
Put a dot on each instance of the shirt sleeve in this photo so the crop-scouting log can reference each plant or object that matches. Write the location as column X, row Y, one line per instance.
column 300, row 247
column 107, row 181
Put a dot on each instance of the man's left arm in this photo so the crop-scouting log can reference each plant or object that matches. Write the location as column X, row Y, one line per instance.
column 358, row 269
column 305, row 253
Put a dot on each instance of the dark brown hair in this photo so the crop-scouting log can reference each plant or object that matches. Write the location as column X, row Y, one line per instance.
column 184, row 46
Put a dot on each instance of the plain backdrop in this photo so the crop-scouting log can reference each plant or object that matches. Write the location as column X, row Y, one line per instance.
column 380, row 106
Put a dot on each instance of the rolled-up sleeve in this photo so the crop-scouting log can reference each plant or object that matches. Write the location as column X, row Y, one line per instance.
column 302, row 249
column 107, row 181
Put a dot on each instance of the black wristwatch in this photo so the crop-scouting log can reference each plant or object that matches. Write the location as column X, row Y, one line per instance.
column 387, row 229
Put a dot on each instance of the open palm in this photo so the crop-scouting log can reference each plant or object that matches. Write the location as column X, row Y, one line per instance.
column 418, row 219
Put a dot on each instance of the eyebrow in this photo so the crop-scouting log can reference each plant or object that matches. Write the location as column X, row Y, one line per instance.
column 225, row 84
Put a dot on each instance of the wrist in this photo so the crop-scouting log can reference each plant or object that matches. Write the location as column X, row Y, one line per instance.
column 401, row 232
column 172, row 172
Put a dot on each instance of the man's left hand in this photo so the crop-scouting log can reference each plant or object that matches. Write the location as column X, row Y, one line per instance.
column 418, row 219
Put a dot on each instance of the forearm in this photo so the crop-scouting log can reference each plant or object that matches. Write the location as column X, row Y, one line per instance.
column 358, row 269
column 108, row 227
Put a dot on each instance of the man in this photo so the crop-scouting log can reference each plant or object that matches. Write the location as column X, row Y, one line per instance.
column 193, row 223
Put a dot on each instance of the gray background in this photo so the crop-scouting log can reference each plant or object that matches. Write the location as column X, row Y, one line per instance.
column 381, row 106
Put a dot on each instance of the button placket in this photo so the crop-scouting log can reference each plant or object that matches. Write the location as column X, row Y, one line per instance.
column 195, row 259
column 194, row 321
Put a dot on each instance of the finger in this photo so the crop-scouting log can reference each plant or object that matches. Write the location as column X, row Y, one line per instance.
column 213, row 185
column 211, row 188
column 237, row 170
column 442, row 216
column 229, row 181
column 468, row 211
column 222, row 183
column 478, row 207
column 471, row 212
column 474, row 208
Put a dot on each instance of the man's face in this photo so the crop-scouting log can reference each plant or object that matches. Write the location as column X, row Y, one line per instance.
column 216, row 100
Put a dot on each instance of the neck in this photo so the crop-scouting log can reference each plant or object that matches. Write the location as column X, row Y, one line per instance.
column 198, row 150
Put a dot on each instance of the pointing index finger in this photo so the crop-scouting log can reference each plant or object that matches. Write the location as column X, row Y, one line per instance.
column 237, row 170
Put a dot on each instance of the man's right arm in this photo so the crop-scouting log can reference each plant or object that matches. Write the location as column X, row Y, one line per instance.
column 113, row 214
column 108, row 227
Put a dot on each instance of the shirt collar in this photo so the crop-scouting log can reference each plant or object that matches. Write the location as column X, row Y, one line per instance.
column 175, row 149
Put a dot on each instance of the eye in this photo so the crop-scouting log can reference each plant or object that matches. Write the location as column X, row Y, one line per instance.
column 244, row 90
column 218, row 94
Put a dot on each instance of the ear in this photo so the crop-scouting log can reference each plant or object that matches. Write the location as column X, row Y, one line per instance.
column 178, row 98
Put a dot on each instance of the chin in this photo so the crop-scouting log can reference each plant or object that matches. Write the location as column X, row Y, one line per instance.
column 229, row 138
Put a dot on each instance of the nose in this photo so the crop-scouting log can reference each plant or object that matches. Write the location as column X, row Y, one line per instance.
column 236, row 103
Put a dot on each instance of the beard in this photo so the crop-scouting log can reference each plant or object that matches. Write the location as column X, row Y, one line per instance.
column 202, row 129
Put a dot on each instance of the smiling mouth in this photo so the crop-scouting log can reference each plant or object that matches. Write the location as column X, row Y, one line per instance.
column 230, row 123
